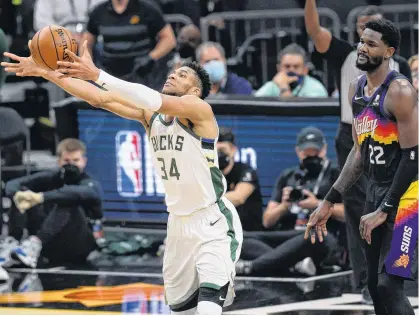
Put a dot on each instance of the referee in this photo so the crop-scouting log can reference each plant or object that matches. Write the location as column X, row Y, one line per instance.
column 342, row 55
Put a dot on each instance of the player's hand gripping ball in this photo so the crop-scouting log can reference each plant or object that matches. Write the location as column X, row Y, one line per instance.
column 48, row 46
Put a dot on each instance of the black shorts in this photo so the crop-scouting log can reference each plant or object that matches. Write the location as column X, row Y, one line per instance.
column 394, row 243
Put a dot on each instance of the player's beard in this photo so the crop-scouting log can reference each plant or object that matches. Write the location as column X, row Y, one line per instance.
column 173, row 94
column 372, row 64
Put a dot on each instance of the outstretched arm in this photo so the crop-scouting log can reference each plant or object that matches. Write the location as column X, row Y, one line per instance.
column 320, row 35
column 138, row 95
column 100, row 98
column 79, row 88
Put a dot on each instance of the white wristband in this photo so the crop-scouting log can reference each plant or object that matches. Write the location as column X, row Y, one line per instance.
column 102, row 78
column 142, row 96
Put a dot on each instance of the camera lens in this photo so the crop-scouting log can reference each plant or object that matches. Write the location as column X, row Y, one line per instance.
column 295, row 195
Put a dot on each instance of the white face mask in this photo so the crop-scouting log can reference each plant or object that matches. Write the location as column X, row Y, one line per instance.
column 216, row 70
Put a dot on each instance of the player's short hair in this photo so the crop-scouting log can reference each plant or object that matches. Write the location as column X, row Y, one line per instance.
column 226, row 135
column 202, row 76
column 389, row 30
column 70, row 145
column 370, row 11
column 293, row 49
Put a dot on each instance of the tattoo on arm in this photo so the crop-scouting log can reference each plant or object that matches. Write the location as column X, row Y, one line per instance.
column 351, row 171
column 353, row 167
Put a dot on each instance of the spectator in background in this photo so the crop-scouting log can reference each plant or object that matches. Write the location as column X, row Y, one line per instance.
column 48, row 12
column 4, row 47
column 292, row 78
column 413, row 64
column 211, row 56
column 136, row 40
column 243, row 189
column 342, row 57
column 57, row 205
column 188, row 39
column 296, row 194
column 217, row 30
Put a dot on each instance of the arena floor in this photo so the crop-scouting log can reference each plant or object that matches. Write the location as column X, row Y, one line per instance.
column 64, row 291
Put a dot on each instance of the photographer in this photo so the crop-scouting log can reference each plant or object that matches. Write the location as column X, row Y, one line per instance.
column 55, row 205
column 297, row 193
column 243, row 189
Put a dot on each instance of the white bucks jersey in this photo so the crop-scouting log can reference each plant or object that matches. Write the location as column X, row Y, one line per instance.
column 187, row 165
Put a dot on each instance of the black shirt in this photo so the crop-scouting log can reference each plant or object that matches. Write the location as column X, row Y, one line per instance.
column 342, row 56
column 86, row 193
column 287, row 178
column 126, row 36
column 251, row 211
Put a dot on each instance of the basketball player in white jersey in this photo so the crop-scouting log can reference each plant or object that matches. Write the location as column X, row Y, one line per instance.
column 204, row 230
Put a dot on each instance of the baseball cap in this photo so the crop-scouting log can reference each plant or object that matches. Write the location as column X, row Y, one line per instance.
column 226, row 135
column 310, row 137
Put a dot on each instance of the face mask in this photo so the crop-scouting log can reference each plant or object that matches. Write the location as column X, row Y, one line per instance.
column 312, row 164
column 185, row 50
column 223, row 160
column 295, row 84
column 70, row 174
column 216, row 70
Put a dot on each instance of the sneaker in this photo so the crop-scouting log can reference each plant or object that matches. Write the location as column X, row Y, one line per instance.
column 306, row 266
column 31, row 283
column 366, row 297
column 28, row 251
column 306, row 287
column 4, row 276
column 7, row 245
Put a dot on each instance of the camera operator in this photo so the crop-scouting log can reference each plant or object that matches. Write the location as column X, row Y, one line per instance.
column 243, row 189
column 297, row 193
column 57, row 205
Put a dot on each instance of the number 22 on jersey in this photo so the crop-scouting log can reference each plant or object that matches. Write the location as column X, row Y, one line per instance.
column 376, row 152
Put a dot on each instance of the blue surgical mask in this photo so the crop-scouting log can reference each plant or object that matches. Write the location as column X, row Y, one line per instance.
column 216, row 70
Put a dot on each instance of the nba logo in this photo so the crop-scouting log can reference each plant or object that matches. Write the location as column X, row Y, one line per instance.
column 129, row 175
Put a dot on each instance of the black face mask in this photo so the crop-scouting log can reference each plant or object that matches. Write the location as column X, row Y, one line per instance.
column 70, row 174
column 313, row 165
column 223, row 160
column 185, row 50
column 295, row 84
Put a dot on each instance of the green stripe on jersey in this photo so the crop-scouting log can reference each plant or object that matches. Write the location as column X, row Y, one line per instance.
column 210, row 285
column 217, row 182
column 153, row 117
column 207, row 145
column 234, row 244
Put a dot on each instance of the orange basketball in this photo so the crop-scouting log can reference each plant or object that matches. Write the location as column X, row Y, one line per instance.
column 48, row 45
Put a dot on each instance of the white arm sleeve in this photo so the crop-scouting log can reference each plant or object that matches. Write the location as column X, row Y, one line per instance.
column 142, row 96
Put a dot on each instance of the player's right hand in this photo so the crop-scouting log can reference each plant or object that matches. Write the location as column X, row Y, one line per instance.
column 25, row 66
column 317, row 222
column 283, row 80
column 81, row 67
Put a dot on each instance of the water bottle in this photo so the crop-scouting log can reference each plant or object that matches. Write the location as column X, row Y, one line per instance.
column 98, row 233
